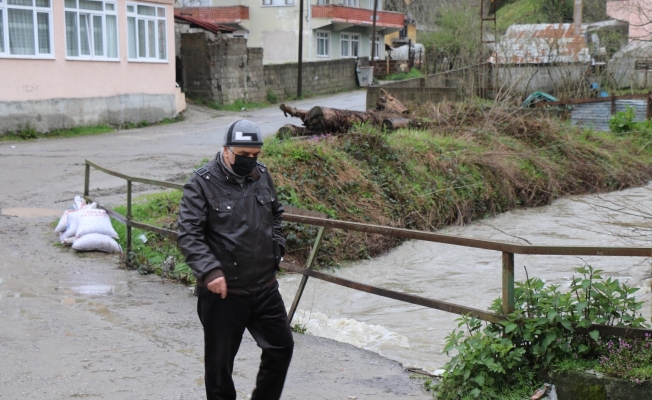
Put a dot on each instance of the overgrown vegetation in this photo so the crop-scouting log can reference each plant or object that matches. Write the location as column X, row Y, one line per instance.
column 474, row 161
column 548, row 329
column 401, row 76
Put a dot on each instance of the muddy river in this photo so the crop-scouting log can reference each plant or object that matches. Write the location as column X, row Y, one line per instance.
column 414, row 335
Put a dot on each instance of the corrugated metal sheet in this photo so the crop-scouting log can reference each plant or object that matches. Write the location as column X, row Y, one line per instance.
column 207, row 25
column 596, row 115
column 542, row 44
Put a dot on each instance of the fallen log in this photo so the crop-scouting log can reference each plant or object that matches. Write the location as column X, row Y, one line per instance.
column 324, row 120
column 288, row 131
column 392, row 124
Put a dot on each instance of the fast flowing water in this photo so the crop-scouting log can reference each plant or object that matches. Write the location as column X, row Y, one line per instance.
column 414, row 335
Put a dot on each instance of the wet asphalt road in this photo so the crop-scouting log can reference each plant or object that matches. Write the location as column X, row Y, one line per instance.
column 77, row 326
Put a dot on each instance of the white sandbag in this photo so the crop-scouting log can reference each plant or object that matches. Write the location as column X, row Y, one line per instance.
column 94, row 220
column 63, row 223
column 96, row 241
column 79, row 204
column 71, row 226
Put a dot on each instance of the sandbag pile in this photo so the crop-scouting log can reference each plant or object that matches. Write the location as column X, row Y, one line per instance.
column 87, row 228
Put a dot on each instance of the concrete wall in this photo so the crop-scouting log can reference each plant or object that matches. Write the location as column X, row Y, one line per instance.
column 320, row 77
column 56, row 81
column 223, row 69
column 51, row 114
column 414, row 95
column 454, row 85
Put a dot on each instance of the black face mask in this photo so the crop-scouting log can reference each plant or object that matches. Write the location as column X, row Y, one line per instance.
column 243, row 165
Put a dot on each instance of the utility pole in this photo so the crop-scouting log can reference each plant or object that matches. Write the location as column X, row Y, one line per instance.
column 373, row 37
column 299, row 74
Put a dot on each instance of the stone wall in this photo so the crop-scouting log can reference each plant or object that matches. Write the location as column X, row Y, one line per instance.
column 318, row 77
column 222, row 69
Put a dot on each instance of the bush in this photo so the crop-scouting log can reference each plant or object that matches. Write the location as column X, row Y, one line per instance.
column 623, row 122
column 271, row 97
column 542, row 330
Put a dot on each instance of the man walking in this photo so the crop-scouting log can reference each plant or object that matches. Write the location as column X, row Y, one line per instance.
column 230, row 232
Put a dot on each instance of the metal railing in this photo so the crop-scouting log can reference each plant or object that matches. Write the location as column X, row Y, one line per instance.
column 507, row 249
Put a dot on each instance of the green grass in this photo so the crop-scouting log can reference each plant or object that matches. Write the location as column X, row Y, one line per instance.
column 150, row 250
column 238, row 105
column 521, row 12
column 30, row 133
column 401, row 76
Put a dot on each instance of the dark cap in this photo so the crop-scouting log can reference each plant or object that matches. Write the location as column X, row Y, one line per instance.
column 243, row 133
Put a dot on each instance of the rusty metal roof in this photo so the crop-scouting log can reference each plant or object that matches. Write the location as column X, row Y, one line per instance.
column 207, row 25
column 541, row 44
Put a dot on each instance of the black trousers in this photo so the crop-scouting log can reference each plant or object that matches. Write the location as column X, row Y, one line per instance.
column 262, row 312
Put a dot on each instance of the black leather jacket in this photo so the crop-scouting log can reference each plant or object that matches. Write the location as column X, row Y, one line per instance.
column 231, row 229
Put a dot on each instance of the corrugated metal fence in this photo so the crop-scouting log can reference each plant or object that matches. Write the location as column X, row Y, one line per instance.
column 595, row 113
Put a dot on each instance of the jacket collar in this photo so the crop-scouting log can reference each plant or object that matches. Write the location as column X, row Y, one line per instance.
column 230, row 175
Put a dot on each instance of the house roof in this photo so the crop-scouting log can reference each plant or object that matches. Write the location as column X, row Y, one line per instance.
column 207, row 25
column 541, row 44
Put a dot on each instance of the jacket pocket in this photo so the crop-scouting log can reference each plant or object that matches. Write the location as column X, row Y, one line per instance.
column 264, row 200
column 223, row 219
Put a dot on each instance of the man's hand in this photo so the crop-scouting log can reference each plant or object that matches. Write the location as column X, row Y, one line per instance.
column 218, row 286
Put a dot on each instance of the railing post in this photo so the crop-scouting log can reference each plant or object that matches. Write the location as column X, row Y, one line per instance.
column 87, row 178
column 304, row 278
column 128, row 222
column 508, row 282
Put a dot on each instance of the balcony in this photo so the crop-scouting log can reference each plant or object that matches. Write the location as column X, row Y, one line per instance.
column 342, row 17
column 220, row 15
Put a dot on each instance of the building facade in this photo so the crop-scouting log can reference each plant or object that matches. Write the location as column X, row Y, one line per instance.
column 332, row 29
column 66, row 63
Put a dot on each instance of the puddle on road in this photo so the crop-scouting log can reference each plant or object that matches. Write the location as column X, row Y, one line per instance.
column 69, row 301
column 24, row 212
column 94, row 290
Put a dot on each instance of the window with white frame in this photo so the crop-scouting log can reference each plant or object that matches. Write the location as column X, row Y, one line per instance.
column 323, row 2
column 355, row 45
column 377, row 43
column 91, row 29
column 350, row 3
column 350, row 45
column 26, row 29
column 146, row 33
column 345, row 45
column 278, row 3
column 323, row 44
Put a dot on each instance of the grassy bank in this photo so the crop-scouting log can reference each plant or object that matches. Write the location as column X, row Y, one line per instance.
column 473, row 162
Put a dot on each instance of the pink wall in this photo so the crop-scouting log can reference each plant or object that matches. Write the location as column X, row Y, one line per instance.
column 29, row 79
column 637, row 12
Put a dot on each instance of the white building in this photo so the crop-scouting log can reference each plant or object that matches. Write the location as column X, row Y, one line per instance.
column 332, row 29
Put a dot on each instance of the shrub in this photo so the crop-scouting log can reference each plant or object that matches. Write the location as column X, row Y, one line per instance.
column 271, row 97
column 542, row 330
column 623, row 122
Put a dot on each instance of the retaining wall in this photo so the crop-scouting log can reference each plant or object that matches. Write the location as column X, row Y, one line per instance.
column 222, row 69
